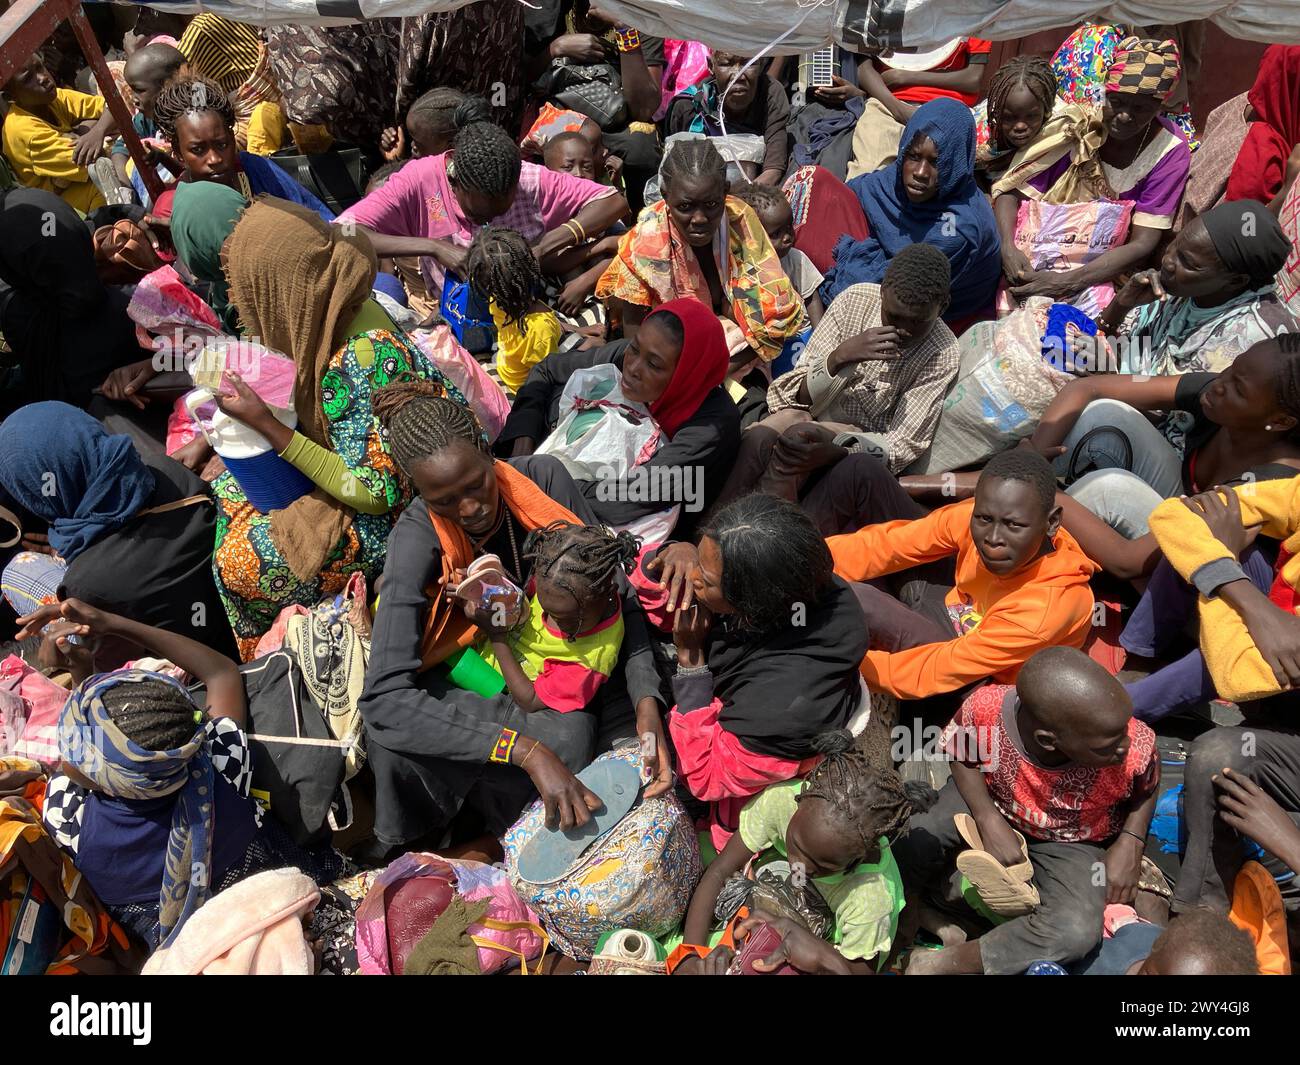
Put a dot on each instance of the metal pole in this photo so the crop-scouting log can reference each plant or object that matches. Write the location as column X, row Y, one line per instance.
column 108, row 89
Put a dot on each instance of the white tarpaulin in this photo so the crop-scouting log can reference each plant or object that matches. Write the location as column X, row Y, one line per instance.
column 746, row 26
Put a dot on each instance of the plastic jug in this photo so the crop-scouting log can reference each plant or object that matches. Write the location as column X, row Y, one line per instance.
column 269, row 482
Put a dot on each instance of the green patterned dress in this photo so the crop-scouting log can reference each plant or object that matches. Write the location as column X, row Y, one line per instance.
column 252, row 576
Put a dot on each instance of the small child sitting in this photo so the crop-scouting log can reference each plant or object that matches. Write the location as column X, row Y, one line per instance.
column 581, row 153
column 777, row 218
column 501, row 267
column 146, row 72
column 835, row 828
column 1021, row 584
column 1054, row 774
column 568, row 643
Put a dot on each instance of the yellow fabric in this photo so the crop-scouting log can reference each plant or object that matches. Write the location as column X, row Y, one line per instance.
column 266, row 129
column 522, row 345
column 310, row 140
column 534, row 644
column 330, row 473
column 41, row 154
column 1239, row 670
column 225, row 51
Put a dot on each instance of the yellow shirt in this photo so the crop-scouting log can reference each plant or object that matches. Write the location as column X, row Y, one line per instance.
column 522, row 345
column 266, row 129
column 41, row 153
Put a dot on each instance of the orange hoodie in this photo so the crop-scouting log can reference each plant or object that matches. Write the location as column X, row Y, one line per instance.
column 1004, row 620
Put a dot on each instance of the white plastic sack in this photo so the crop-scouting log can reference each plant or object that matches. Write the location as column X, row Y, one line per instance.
column 1003, row 386
column 601, row 435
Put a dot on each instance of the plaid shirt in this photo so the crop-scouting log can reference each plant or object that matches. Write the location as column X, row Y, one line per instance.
column 900, row 400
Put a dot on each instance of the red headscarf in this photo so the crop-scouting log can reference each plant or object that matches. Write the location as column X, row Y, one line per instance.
column 701, row 367
column 1261, row 163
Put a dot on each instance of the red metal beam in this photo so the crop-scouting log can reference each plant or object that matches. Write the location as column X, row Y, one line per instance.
column 108, row 90
column 25, row 27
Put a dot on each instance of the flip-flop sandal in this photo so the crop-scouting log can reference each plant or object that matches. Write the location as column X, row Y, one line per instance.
column 1153, row 880
column 1007, row 891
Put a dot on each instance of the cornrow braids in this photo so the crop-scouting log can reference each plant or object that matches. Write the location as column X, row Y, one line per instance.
column 420, row 422
column 436, row 109
column 191, row 96
column 485, row 158
column 1286, row 378
column 153, row 713
column 760, row 197
column 584, row 560
column 501, row 267
column 1031, row 71
column 857, row 782
column 693, row 159
column 920, row 276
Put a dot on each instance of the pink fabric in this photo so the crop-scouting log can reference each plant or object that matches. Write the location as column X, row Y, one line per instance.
column 565, row 686
column 162, row 306
column 484, row 395
column 274, row 638
column 718, row 768
column 654, row 600
column 43, row 702
column 473, row 881
column 253, row 928
column 418, row 201
column 686, row 63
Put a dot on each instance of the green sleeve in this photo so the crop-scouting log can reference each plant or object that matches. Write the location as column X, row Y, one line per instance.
column 328, row 471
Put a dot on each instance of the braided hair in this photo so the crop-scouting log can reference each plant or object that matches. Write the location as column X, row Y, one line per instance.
column 436, row 110
column 501, row 267
column 693, row 159
column 1286, row 378
column 485, row 158
column 153, row 713
column 856, row 780
column 191, row 96
column 1030, row 71
column 584, row 560
column 419, row 422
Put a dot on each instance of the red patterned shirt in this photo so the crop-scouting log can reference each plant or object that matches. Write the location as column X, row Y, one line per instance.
column 1064, row 804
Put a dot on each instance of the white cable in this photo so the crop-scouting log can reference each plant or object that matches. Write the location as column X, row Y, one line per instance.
column 809, row 7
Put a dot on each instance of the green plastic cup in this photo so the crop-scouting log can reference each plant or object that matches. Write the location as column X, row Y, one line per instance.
column 466, row 669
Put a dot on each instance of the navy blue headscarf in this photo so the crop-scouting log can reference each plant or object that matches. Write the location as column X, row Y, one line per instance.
column 60, row 464
column 958, row 220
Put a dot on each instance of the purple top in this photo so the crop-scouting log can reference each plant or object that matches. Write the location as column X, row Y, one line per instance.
column 1155, row 179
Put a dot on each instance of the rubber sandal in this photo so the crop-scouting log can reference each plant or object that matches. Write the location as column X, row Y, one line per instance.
column 1007, row 891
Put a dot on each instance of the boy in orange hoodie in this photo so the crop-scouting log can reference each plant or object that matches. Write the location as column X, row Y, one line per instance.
column 1021, row 584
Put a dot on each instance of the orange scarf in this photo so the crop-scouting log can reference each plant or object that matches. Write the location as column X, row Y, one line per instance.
column 448, row 629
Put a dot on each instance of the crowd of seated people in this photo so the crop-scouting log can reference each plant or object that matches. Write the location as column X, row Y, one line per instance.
column 663, row 351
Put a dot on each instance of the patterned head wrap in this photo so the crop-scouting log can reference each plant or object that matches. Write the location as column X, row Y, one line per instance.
column 1145, row 66
column 92, row 743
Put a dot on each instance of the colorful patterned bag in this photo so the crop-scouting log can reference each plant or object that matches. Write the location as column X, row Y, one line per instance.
column 639, row 875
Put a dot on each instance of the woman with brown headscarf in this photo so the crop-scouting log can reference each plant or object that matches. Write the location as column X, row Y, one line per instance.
column 302, row 288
